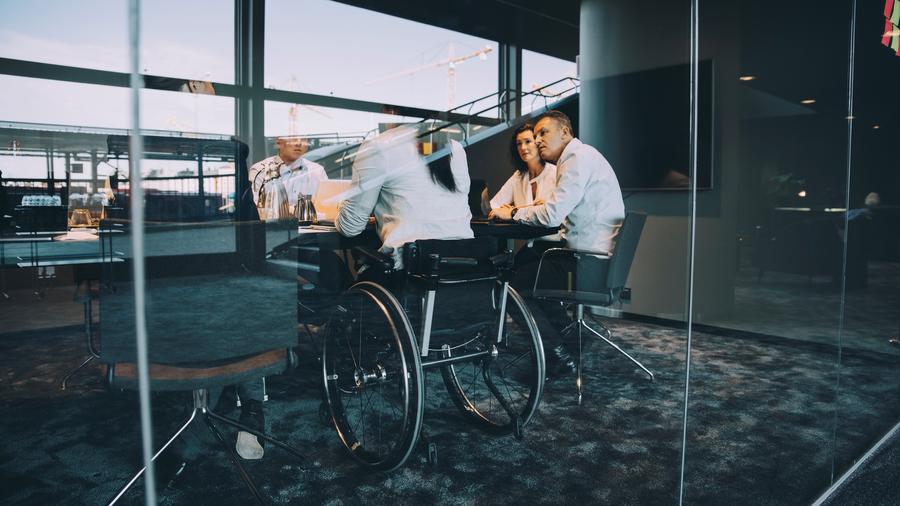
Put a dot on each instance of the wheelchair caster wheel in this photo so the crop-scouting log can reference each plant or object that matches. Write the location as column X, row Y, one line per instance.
column 432, row 455
column 324, row 414
column 517, row 428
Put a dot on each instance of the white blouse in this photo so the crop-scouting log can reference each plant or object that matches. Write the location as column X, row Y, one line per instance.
column 391, row 180
column 517, row 189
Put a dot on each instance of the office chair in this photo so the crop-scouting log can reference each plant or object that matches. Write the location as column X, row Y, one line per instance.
column 593, row 279
column 218, row 325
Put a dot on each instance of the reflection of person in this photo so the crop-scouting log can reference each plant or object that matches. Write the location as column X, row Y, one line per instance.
column 410, row 200
column 588, row 207
column 300, row 176
column 534, row 179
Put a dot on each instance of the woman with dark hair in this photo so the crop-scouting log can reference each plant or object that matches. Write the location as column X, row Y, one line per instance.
column 534, row 179
column 410, row 200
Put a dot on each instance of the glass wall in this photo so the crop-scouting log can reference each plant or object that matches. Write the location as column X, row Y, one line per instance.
column 441, row 70
column 866, row 403
column 547, row 78
column 792, row 288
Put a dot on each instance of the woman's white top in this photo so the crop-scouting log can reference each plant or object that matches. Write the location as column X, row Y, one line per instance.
column 391, row 180
column 516, row 190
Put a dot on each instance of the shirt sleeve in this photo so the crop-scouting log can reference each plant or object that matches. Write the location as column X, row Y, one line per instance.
column 572, row 180
column 459, row 167
column 368, row 177
column 505, row 195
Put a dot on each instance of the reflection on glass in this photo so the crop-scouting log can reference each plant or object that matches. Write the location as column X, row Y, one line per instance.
column 439, row 71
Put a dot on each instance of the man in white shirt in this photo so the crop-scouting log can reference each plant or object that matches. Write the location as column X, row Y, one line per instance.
column 300, row 176
column 587, row 206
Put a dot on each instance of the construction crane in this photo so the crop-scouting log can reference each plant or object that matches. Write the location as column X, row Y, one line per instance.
column 451, row 61
column 294, row 109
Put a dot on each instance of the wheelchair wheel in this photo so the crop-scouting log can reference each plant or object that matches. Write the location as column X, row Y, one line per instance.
column 373, row 377
column 501, row 394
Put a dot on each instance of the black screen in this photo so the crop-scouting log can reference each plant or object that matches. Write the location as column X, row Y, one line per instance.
column 645, row 122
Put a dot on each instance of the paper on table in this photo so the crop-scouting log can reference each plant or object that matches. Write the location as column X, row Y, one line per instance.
column 77, row 235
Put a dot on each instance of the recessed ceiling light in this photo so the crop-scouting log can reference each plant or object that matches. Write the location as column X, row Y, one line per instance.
column 747, row 78
column 801, row 193
column 850, row 117
column 876, row 127
column 808, row 101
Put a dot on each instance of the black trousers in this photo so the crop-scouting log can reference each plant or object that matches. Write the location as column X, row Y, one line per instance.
column 550, row 316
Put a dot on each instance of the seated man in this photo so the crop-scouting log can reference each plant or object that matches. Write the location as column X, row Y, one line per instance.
column 410, row 200
column 587, row 206
column 300, row 176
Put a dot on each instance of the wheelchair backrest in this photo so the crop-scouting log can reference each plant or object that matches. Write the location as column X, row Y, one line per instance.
column 417, row 256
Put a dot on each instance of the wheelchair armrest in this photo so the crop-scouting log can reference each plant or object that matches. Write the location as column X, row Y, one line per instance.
column 378, row 258
column 459, row 261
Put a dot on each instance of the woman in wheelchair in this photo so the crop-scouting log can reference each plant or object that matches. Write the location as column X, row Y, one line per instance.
column 432, row 297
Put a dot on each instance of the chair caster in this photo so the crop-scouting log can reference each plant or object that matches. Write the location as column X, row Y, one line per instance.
column 517, row 428
column 578, row 400
column 432, row 455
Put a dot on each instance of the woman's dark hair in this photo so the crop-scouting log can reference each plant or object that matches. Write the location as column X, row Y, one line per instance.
column 514, row 148
column 442, row 174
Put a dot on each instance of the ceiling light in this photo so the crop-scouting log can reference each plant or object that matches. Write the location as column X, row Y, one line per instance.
column 747, row 78
column 876, row 127
column 802, row 194
column 850, row 117
column 808, row 101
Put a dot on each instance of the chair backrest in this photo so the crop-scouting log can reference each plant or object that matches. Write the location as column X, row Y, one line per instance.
column 626, row 245
column 206, row 316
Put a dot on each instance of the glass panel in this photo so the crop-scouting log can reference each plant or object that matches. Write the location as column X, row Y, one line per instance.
column 540, row 79
column 768, row 252
column 187, row 112
column 91, row 34
column 447, row 69
column 58, row 181
column 870, row 353
column 44, row 101
column 194, row 40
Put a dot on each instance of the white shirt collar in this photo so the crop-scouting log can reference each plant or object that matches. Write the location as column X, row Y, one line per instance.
column 569, row 150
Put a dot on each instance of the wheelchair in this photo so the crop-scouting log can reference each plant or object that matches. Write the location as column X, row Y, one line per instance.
column 380, row 340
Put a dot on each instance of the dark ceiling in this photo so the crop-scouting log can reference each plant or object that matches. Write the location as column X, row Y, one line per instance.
column 549, row 28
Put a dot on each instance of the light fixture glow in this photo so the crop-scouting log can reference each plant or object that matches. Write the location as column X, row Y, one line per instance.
column 876, row 127
column 747, row 78
column 808, row 101
column 801, row 194
column 850, row 117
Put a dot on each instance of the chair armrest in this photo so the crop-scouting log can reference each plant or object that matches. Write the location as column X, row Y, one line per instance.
column 378, row 258
column 566, row 252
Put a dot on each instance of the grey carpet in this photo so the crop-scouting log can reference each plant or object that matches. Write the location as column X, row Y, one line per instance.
column 760, row 431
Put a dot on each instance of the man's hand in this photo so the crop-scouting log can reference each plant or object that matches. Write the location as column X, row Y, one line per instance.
column 502, row 213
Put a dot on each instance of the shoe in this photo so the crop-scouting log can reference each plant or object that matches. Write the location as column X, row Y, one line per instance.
column 560, row 362
column 248, row 446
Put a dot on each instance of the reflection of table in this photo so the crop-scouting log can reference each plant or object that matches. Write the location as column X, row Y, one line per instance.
column 44, row 251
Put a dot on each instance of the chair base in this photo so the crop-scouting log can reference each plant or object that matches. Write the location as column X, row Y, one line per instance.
column 63, row 384
column 201, row 408
column 578, row 324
